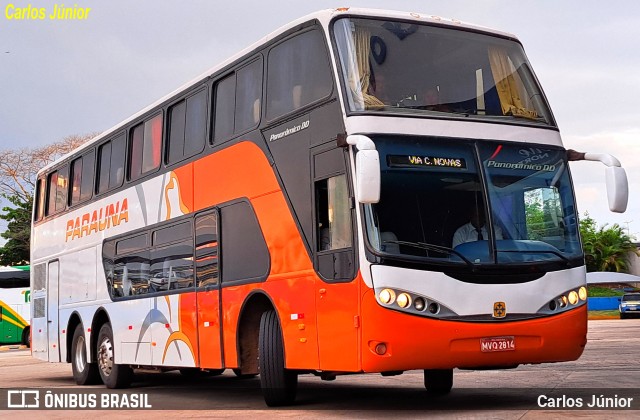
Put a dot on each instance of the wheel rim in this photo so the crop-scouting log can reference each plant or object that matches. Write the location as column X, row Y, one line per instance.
column 81, row 355
column 105, row 356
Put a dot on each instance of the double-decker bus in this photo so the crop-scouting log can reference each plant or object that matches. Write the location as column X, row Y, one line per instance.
column 359, row 192
column 15, row 304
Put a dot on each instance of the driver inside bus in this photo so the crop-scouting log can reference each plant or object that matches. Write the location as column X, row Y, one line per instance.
column 475, row 230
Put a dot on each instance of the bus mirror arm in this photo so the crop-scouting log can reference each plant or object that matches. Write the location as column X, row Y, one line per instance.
column 616, row 178
column 367, row 169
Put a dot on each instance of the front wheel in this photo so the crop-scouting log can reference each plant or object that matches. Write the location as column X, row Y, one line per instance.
column 438, row 381
column 279, row 385
column 113, row 375
column 84, row 372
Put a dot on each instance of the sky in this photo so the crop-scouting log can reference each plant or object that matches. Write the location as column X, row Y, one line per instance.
column 63, row 77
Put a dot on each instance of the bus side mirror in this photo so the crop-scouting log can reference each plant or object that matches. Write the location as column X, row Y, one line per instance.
column 368, row 176
column 367, row 181
column 617, row 189
column 616, row 178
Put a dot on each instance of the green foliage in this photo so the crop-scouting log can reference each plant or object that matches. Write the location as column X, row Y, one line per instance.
column 599, row 291
column 18, row 233
column 606, row 248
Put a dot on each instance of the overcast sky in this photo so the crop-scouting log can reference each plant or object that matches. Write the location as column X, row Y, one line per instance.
column 72, row 77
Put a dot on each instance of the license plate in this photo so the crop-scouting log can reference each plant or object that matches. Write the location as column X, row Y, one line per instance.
column 491, row 344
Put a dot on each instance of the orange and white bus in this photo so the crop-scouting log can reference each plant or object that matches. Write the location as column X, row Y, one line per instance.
column 360, row 192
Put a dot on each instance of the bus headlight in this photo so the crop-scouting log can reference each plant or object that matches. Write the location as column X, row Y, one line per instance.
column 387, row 296
column 403, row 300
column 419, row 304
column 573, row 297
column 582, row 293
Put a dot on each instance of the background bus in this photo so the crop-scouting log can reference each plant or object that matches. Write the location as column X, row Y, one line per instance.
column 296, row 209
column 15, row 305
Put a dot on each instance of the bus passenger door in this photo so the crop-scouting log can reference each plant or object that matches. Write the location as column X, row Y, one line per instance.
column 52, row 311
column 337, row 292
column 207, row 277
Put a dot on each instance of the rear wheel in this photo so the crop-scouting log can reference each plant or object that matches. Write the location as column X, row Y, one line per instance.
column 26, row 337
column 113, row 375
column 84, row 372
column 279, row 385
column 438, row 381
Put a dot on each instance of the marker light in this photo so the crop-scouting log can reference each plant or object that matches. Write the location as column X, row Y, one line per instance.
column 403, row 300
column 573, row 297
column 387, row 296
column 419, row 304
column 582, row 293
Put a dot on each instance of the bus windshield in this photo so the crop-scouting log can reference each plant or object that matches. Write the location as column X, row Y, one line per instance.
column 435, row 196
column 397, row 67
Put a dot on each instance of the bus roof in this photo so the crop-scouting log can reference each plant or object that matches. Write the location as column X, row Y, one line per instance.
column 324, row 17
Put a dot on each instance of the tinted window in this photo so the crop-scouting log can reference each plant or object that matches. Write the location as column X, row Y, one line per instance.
column 81, row 178
column 187, row 127
column 244, row 251
column 134, row 243
column 172, row 233
column 111, row 164
column 225, row 107
column 248, row 92
column 146, row 144
column 171, row 267
column 206, row 255
column 40, row 199
column 298, row 74
column 52, row 185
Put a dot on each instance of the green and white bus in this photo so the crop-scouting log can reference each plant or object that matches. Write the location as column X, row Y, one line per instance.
column 15, row 304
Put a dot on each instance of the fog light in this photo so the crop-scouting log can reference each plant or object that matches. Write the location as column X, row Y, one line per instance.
column 419, row 304
column 573, row 297
column 582, row 293
column 434, row 308
column 404, row 300
column 563, row 301
column 381, row 348
column 387, row 296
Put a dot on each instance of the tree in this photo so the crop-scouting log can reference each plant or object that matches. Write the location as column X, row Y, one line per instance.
column 18, row 170
column 606, row 248
column 18, row 233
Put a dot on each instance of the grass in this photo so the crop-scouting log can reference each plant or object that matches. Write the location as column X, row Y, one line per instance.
column 599, row 291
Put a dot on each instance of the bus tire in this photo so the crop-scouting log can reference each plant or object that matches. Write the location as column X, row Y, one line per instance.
column 438, row 381
column 84, row 372
column 279, row 385
column 26, row 337
column 114, row 376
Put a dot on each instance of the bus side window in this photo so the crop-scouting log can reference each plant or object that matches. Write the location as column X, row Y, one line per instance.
column 206, row 252
column 333, row 213
column 40, row 199
column 298, row 74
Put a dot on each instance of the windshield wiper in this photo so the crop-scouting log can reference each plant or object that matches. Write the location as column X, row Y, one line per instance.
column 432, row 247
column 546, row 251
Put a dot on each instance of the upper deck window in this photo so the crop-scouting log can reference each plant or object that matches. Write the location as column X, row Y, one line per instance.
column 298, row 74
column 144, row 152
column 392, row 67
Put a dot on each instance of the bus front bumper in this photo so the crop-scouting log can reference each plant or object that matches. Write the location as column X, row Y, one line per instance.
column 414, row 342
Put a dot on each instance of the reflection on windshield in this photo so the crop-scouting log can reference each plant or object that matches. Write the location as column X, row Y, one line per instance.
column 434, row 205
column 389, row 66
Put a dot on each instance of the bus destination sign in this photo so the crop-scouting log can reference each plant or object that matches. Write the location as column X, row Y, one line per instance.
column 408, row 161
